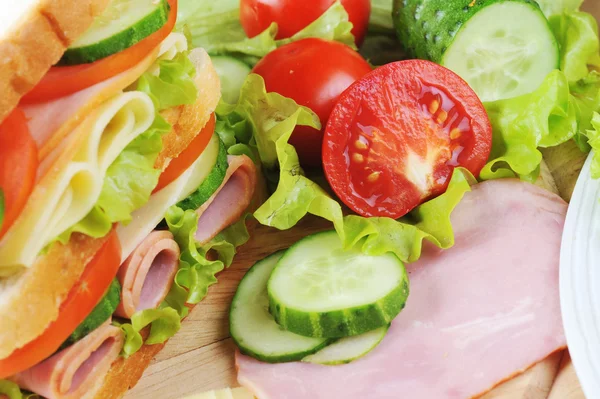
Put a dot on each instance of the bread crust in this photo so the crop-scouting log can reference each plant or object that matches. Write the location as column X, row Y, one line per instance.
column 188, row 120
column 52, row 25
column 37, row 294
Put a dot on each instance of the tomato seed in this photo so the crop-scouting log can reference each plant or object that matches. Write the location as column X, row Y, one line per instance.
column 442, row 116
column 358, row 158
column 372, row 178
column 360, row 145
column 434, row 106
column 455, row 133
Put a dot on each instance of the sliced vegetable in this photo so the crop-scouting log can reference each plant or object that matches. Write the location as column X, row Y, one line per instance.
column 180, row 164
column 499, row 55
column 122, row 24
column 232, row 73
column 395, row 136
column 102, row 312
column 252, row 327
column 348, row 349
column 213, row 180
column 313, row 73
column 64, row 80
column 18, row 167
column 320, row 289
column 292, row 16
column 81, row 300
column 594, row 141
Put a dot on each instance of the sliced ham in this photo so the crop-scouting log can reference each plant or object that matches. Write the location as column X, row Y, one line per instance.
column 477, row 314
column 231, row 199
column 147, row 274
column 77, row 371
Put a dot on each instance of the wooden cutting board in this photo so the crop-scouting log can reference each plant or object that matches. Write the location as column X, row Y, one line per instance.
column 200, row 356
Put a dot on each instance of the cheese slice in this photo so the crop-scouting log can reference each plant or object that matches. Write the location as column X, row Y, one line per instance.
column 51, row 122
column 145, row 219
column 227, row 393
column 73, row 182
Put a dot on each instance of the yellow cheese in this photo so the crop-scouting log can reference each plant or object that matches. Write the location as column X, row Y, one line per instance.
column 72, row 184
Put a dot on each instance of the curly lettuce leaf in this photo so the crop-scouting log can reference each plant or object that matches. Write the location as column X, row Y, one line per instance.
column 544, row 118
column 553, row 7
column 272, row 119
column 10, row 389
column 217, row 29
column 127, row 185
column 586, row 98
column 164, row 323
column 577, row 35
column 594, row 141
column 174, row 85
column 196, row 272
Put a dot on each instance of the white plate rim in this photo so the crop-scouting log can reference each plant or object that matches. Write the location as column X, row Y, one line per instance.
column 580, row 280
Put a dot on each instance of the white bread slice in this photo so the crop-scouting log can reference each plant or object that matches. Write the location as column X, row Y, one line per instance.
column 34, row 34
column 41, row 289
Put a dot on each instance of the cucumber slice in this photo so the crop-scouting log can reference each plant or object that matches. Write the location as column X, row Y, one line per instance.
column 318, row 289
column 232, row 73
column 212, row 181
column 502, row 48
column 122, row 24
column 252, row 327
column 348, row 349
column 103, row 310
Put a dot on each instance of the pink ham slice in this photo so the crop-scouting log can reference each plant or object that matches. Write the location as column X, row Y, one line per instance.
column 477, row 314
column 147, row 274
column 78, row 370
column 231, row 199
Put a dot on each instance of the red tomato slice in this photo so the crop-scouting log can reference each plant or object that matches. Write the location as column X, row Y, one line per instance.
column 18, row 166
column 292, row 16
column 395, row 136
column 180, row 164
column 312, row 72
column 80, row 302
column 61, row 81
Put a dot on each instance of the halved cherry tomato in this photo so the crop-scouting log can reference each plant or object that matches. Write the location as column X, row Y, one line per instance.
column 61, row 81
column 312, row 72
column 292, row 16
column 83, row 297
column 18, row 166
column 188, row 156
column 395, row 136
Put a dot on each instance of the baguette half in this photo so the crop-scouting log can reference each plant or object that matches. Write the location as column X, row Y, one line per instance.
column 51, row 25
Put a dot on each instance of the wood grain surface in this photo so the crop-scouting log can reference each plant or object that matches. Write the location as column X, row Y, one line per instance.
column 200, row 356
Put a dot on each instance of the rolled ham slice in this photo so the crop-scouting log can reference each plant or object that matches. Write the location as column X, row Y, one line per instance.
column 478, row 313
column 147, row 274
column 228, row 203
column 77, row 371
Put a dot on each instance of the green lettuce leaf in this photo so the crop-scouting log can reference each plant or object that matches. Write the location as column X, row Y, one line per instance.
column 164, row 322
column 196, row 272
column 553, row 7
column 10, row 389
column 544, row 118
column 128, row 184
column 594, row 142
column 174, row 84
column 272, row 119
column 586, row 98
column 216, row 28
column 577, row 35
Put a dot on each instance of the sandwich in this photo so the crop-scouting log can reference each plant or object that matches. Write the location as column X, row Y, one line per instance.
column 107, row 128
